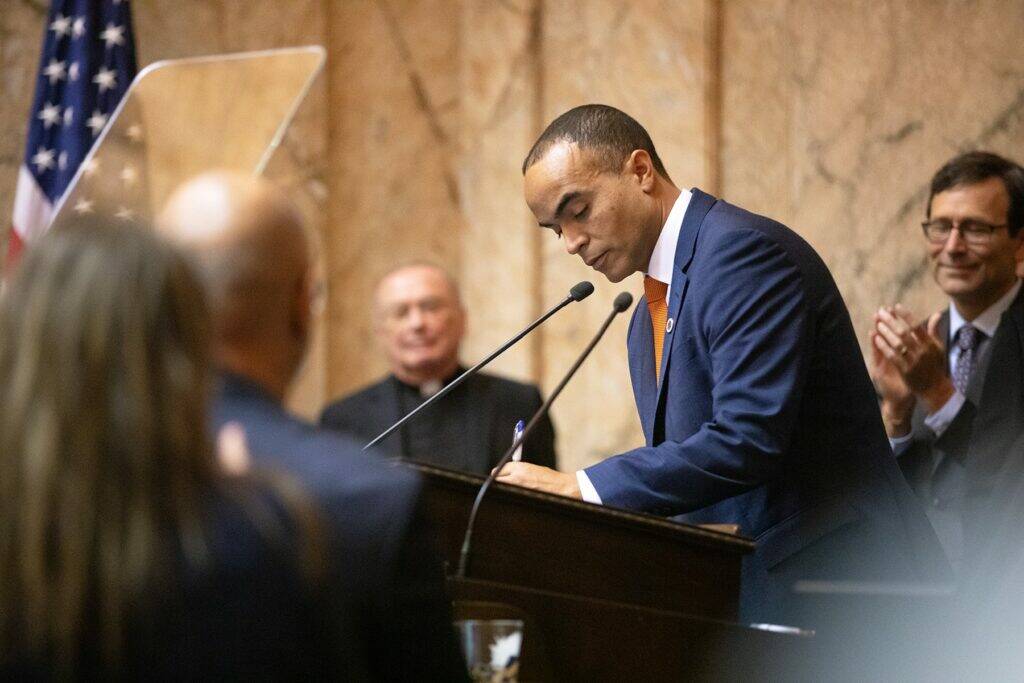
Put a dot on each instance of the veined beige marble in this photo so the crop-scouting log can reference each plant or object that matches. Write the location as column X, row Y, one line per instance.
column 500, row 265
column 836, row 115
column 394, row 164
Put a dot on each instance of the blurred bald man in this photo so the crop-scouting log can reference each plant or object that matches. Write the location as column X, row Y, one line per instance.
column 420, row 322
column 252, row 254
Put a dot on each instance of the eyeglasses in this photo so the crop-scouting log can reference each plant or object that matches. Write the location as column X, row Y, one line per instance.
column 972, row 231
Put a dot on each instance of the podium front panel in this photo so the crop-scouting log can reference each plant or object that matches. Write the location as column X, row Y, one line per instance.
column 550, row 543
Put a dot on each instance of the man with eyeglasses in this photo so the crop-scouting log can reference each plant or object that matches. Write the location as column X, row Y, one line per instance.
column 952, row 387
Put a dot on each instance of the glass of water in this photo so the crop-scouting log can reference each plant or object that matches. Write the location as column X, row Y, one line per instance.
column 492, row 648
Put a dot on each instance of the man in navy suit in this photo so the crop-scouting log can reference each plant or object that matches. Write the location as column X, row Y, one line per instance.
column 753, row 395
column 252, row 255
column 952, row 387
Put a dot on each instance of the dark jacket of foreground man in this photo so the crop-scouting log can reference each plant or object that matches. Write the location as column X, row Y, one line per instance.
column 389, row 579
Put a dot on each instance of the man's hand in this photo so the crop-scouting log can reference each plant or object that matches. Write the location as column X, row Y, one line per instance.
column 897, row 398
column 916, row 354
column 540, row 478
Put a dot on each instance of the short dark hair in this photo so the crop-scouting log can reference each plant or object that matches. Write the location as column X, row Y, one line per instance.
column 612, row 134
column 970, row 168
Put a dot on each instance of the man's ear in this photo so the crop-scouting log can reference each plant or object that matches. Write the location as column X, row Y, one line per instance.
column 303, row 301
column 640, row 167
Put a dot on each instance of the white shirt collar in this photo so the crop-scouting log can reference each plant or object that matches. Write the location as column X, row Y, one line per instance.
column 430, row 387
column 664, row 256
column 988, row 321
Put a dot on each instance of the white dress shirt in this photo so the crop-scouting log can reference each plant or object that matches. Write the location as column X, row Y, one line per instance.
column 660, row 268
column 987, row 322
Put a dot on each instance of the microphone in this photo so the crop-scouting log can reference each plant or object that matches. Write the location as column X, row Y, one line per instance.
column 579, row 292
column 621, row 303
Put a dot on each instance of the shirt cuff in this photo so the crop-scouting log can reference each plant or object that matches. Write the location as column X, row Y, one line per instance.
column 587, row 489
column 899, row 444
column 940, row 420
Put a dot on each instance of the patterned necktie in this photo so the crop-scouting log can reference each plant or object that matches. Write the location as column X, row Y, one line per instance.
column 967, row 339
column 658, row 307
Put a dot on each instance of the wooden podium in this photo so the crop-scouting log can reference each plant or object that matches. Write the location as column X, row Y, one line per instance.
column 606, row 594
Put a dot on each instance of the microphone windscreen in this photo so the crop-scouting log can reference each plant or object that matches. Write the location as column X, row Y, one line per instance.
column 581, row 290
column 622, row 301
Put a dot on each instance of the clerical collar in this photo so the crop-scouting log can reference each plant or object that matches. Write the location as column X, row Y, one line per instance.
column 431, row 386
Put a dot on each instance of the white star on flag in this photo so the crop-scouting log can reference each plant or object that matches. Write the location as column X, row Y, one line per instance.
column 106, row 79
column 61, row 25
column 113, row 35
column 124, row 213
column 49, row 114
column 86, row 64
column 83, row 206
column 96, row 122
column 129, row 175
column 55, row 71
column 90, row 167
column 43, row 159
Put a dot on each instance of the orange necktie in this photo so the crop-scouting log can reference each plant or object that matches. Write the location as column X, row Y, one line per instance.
column 656, row 304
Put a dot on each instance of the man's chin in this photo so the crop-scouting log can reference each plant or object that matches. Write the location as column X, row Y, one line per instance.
column 956, row 286
column 425, row 367
column 615, row 276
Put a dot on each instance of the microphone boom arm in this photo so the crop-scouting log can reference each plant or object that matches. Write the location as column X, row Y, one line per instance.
column 577, row 293
column 622, row 302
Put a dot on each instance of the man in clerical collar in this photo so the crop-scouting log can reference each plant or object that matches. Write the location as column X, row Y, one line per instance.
column 952, row 387
column 420, row 322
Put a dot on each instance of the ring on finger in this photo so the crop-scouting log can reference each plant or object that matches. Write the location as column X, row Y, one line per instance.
column 902, row 349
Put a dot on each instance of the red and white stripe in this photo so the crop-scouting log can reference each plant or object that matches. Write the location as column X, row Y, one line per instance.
column 31, row 215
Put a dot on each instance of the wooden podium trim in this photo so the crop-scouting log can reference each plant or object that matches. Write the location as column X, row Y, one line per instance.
column 609, row 515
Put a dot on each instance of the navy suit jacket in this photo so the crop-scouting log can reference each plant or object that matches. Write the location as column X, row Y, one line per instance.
column 765, row 416
column 975, row 453
column 388, row 578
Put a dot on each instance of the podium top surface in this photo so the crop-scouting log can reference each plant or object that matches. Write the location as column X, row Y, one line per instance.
column 597, row 514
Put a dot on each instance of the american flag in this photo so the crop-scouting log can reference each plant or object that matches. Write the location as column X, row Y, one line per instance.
column 88, row 61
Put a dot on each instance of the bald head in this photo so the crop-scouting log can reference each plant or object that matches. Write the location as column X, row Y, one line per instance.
column 247, row 241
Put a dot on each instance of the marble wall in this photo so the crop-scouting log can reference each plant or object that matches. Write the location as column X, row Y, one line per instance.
column 829, row 115
column 835, row 115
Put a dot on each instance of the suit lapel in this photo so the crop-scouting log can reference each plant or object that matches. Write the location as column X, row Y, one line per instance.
column 1000, row 400
column 700, row 205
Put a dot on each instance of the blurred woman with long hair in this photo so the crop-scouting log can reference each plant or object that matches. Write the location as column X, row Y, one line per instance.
column 124, row 548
